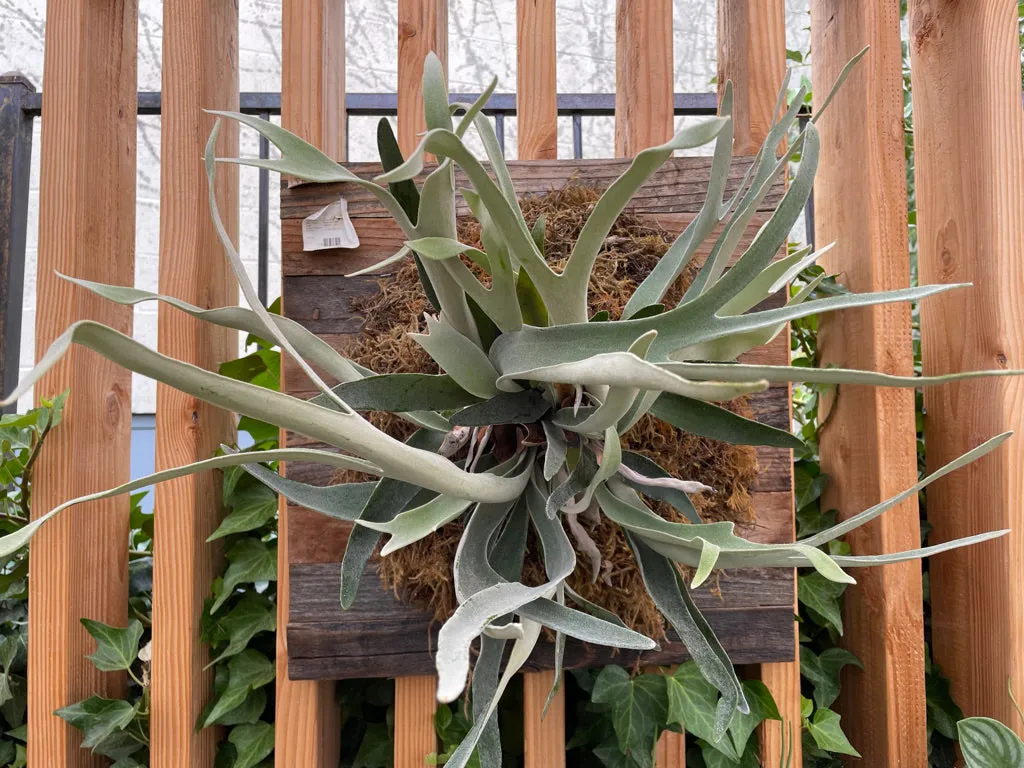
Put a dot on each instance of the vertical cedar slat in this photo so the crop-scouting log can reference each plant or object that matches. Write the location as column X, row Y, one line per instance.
column 200, row 71
column 86, row 229
column 307, row 728
column 536, row 94
column 537, row 112
column 644, row 117
column 643, row 75
column 969, row 166
column 752, row 53
column 422, row 28
column 544, row 737
column 415, row 704
column 869, row 445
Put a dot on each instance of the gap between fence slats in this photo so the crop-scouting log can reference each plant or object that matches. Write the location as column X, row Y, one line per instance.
column 87, row 229
column 969, row 168
column 200, row 71
column 868, row 447
column 307, row 729
column 752, row 54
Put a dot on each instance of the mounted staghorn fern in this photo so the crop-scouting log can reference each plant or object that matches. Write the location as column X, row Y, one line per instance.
column 535, row 394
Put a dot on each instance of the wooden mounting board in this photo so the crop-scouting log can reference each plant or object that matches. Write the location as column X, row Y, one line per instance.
column 382, row 637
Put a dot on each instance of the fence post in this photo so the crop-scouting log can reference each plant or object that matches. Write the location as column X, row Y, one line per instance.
column 537, row 115
column 868, row 446
column 645, row 117
column 752, row 53
column 200, row 71
column 15, row 161
column 87, row 229
column 307, row 727
column 969, row 171
column 422, row 28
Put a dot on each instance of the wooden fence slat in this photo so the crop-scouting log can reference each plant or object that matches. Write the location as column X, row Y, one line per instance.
column 537, row 114
column 415, row 704
column 644, row 117
column 200, row 71
column 643, row 75
column 544, row 737
column 537, row 89
column 869, row 445
column 752, row 53
column 422, row 28
column 86, row 229
column 307, row 728
column 969, row 168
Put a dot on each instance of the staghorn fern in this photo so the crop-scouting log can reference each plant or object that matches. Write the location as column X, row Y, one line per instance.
column 522, row 358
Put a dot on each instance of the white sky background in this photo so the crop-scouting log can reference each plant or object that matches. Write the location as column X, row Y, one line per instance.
column 481, row 42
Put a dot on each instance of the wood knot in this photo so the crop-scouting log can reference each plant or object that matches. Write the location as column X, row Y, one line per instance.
column 922, row 27
column 1001, row 359
column 406, row 31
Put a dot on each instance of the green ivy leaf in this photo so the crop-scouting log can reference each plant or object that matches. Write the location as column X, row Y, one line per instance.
column 250, row 560
column 827, row 734
column 249, row 711
column 822, row 596
column 639, row 708
column 376, row 749
column 248, row 671
column 116, row 648
column 823, row 672
column 693, row 704
column 252, row 743
column 103, row 723
column 713, row 758
column 252, row 507
column 987, row 743
column 762, row 707
column 943, row 711
column 253, row 614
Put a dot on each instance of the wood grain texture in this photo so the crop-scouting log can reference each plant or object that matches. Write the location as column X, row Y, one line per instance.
column 414, row 720
column 536, row 92
column 313, row 72
column 752, row 54
column 969, row 149
column 422, row 28
column 307, row 718
column 200, row 71
column 543, row 737
column 537, row 118
column 670, row 751
column 868, row 446
column 86, row 229
column 643, row 75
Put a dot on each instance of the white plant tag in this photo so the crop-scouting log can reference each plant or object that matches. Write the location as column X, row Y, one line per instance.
column 330, row 227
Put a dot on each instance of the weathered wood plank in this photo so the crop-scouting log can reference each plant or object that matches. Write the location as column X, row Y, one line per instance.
column 752, row 54
column 869, row 447
column 307, row 717
column 644, row 108
column 969, row 165
column 374, row 639
column 86, row 207
column 200, row 72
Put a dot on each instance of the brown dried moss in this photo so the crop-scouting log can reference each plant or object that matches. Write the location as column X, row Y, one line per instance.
column 421, row 572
